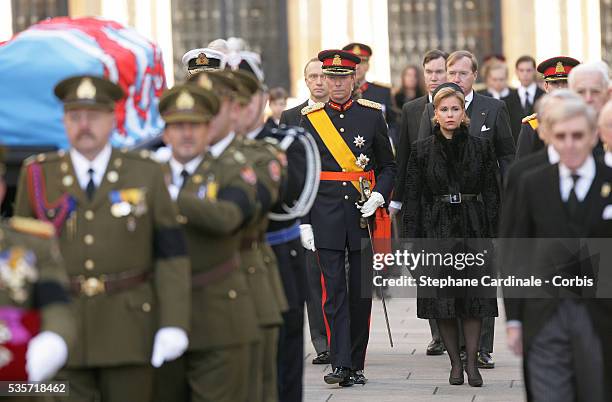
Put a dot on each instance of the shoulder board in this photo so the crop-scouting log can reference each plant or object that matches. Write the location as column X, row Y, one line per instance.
column 382, row 84
column 32, row 226
column 369, row 103
column 530, row 117
column 143, row 155
column 46, row 157
column 313, row 108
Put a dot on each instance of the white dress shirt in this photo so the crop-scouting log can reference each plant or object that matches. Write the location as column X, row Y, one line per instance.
column 468, row 99
column 527, row 93
column 219, row 147
column 177, row 168
column 82, row 165
column 499, row 95
column 608, row 158
column 583, row 184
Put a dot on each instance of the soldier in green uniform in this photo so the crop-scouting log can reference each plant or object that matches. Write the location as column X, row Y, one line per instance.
column 211, row 184
column 33, row 300
column 124, row 249
column 269, row 163
column 233, row 95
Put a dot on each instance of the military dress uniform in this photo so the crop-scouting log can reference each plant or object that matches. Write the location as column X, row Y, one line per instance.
column 260, row 265
column 283, row 244
column 33, row 292
column 554, row 69
column 214, row 201
column 353, row 143
column 124, row 251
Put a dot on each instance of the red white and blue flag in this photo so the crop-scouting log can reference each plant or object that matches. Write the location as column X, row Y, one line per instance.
column 35, row 60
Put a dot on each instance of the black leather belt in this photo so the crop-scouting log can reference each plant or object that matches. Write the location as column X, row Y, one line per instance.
column 457, row 198
column 110, row 283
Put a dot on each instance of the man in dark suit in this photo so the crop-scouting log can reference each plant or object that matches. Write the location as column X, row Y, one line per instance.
column 563, row 339
column 495, row 73
column 314, row 79
column 528, row 92
column 434, row 71
column 555, row 71
column 489, row 119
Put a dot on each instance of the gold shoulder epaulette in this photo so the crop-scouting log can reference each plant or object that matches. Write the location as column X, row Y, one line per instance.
column 530, row 117
column 32, row 226
column 313, row 108
column 143, row 155
column 369, row 103
column 46, row 157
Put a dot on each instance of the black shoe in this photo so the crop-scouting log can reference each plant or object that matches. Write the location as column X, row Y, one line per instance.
column 322, row 358
column 358, row 377
column 456, row 380
column 475, row 380
column 435, row 348
column 349, row 382
column 339, row 375
column 485, row 361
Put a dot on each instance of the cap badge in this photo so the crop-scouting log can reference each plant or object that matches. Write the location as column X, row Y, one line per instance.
column 357, row 50
column 202, row 60
column 86, row 89
column 559, row 68
column 205, row 82
column 185, row 101
column 337, row 60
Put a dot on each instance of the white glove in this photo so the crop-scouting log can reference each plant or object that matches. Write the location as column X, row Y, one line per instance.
column 169, row 344
column 173, row 189
column 47, row 353
column 394, row 208
column 307, row 237
column 371, row 205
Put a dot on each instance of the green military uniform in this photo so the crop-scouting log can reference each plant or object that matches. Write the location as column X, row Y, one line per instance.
column 263, row 277
column 125, row 255
column 37, row 283
column 214, row 202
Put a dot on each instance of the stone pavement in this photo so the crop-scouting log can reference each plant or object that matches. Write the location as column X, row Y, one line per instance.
column 405, row 373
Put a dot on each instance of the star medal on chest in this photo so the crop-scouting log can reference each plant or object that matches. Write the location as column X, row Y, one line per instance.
column 17, row 270
column 359, row 141
column 362, row 161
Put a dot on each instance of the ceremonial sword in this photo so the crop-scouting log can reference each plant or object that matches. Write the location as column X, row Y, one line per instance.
column 365, row 191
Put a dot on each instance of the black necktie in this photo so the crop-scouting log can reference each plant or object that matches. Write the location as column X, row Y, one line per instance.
column 528, row 105
column 572, row 200
column 185, row 176
column 91, row 186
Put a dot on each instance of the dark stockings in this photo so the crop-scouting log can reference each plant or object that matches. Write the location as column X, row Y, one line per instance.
column 471, row 332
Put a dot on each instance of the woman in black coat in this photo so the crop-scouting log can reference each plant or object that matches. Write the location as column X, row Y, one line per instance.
column 451, row 192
